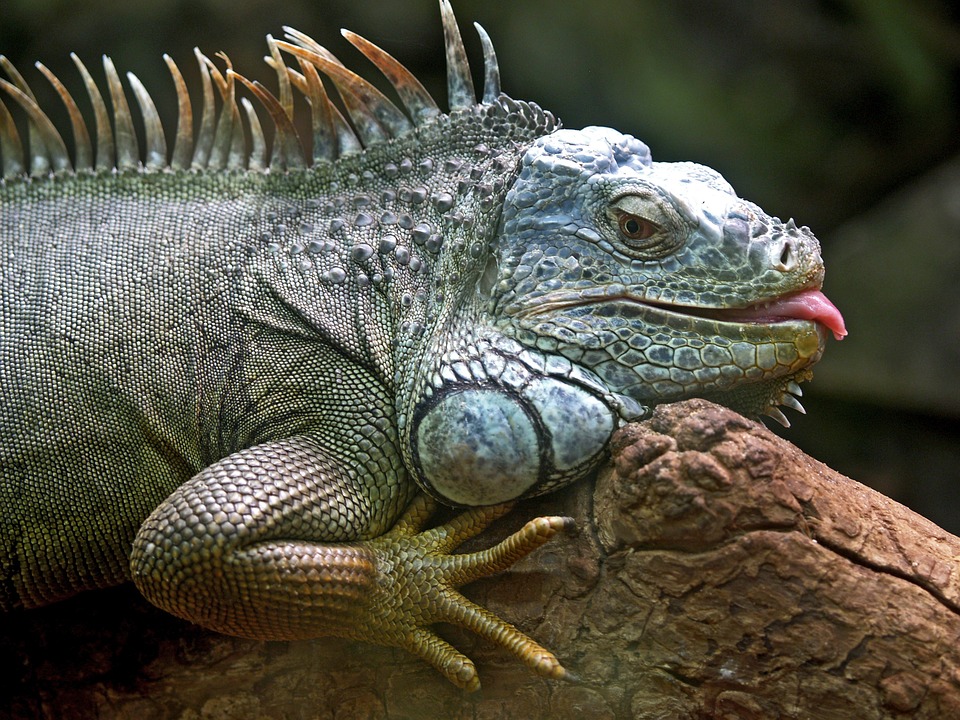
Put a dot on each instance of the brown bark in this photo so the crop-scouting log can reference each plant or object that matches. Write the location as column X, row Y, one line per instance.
column 718, row 573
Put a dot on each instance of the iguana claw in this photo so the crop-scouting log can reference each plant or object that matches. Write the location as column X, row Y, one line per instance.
column 417, row 585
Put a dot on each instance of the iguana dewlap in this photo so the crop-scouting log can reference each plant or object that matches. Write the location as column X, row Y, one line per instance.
column 227, row 374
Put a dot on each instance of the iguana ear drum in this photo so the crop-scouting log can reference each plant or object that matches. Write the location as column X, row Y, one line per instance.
column 477, row 446
column 487, row 445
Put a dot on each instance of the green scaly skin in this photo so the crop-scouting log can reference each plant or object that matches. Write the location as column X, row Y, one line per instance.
column 231, row 386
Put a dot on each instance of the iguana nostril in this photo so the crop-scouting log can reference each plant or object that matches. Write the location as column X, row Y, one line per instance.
column 787, row 259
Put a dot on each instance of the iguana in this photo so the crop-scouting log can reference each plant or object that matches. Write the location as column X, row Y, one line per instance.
column 243, row 379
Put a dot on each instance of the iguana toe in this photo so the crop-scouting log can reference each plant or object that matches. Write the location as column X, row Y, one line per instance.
column 418, row 581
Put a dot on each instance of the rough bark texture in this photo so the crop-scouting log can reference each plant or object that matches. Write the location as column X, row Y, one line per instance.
column 718, row 573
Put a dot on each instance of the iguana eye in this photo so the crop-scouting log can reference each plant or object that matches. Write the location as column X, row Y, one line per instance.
column 635, row 227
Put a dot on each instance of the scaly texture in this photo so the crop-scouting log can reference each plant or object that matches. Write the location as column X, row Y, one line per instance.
column 224, row 374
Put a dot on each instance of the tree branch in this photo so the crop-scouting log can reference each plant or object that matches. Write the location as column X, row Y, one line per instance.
column 718, row 572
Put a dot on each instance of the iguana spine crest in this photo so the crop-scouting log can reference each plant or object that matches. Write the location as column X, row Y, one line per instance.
column 367, row 117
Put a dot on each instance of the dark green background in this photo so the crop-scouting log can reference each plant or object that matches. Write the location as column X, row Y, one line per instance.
column 841, row 114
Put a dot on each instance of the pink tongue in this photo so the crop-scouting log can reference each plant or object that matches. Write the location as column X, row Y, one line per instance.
column 807, row 305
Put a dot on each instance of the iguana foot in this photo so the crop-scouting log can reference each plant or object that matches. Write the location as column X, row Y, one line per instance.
column 418, row 580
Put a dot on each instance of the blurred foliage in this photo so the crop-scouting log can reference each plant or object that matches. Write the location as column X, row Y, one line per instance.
column 815, row 109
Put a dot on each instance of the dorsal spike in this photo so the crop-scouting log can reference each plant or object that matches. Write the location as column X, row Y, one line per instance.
column 275, row 60
column 223, row 137
column 228, row 145
column 369, row 129
column 11, row 149
column 16, row 78
column 287, row 149
column 321, row 116
column 208, row 118
column 305, row 41
column 459, row 81
column 183, row 145
column 286, row 92
column 52, row 152
column 346, row 139
column 128, row 154
column 238, row 146
column 491, row 68
column 237, row 158
column 105, row 145
column 156, row 158
column 370, row 100
column 83, row 157
column 39, row 160
column 413, row 95
column 373, row 115
column 258, row 144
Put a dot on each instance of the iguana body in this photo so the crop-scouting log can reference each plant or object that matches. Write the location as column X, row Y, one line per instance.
column 270, row 362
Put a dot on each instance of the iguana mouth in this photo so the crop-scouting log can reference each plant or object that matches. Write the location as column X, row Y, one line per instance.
column 811, row 305
column 805, row 305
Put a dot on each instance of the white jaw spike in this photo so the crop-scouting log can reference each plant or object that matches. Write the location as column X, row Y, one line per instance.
column 777, row 415
column 791, row 402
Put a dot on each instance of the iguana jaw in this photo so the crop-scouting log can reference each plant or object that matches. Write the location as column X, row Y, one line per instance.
column 806, row 305
column 810, row 305
column 749, row 358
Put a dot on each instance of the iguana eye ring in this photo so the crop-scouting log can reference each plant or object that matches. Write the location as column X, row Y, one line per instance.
column 635, row 227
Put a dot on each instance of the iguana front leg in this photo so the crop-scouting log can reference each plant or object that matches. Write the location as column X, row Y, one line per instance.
column 267, row 544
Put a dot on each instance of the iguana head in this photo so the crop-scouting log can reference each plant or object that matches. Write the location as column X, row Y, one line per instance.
column 657, row 276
